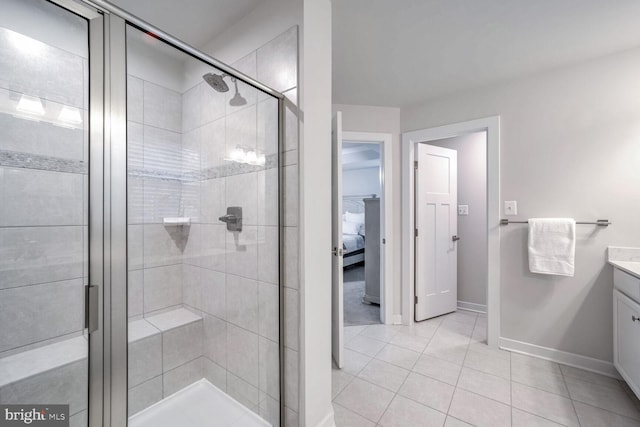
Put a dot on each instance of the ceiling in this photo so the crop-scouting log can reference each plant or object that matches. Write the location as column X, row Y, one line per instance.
column 357, row 155
column 195, row 22
column 401, row 53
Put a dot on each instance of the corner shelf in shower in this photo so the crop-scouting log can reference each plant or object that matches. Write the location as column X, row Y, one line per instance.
column 176, row 221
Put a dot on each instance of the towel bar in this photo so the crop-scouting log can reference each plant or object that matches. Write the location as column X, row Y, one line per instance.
column 599, row 222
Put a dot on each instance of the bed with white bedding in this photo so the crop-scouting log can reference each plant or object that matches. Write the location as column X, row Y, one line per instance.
column 353, row 235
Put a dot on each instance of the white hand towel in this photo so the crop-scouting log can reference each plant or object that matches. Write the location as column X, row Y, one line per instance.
column 552, row 246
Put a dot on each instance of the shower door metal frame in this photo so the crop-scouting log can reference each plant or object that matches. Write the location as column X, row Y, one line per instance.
column 108, row 345
column 96, row 196
column 115, row 203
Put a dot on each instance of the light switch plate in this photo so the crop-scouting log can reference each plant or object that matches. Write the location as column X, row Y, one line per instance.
column 463, row 209
column 510, row 207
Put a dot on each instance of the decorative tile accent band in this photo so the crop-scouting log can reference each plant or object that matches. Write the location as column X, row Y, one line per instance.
column 15, row 159
column 222, row 171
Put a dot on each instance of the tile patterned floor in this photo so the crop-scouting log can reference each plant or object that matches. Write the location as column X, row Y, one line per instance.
column 441, row 373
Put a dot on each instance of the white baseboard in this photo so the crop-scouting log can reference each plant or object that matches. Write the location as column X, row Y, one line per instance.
column 396, row 319
column 470, row 306
column 578, row 361
column 328, row 421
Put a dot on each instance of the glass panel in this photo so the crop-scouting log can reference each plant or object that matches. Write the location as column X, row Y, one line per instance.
column 203, row 283
column 43, row 206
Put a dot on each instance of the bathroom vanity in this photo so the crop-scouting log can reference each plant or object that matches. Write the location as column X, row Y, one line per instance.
column 626, row 313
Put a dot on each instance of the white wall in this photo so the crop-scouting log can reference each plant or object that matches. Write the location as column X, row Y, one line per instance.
column 361, row 181
column 315, row 190
column 47, row 23
column 570, row 147
column 267, row 21
column 364, row 118
column 156, row 62
column 472, row 228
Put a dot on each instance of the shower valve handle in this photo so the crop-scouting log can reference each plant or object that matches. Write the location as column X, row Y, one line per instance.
column 233, row 218
column 229, row 218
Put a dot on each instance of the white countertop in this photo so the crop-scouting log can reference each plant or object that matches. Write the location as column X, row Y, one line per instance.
column 626, row 259
column 630, row 267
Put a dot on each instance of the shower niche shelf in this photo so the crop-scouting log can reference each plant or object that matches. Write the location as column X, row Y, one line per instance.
column 175, row 221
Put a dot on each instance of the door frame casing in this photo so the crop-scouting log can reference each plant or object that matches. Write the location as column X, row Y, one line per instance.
column 492, row 126
column 386, row 218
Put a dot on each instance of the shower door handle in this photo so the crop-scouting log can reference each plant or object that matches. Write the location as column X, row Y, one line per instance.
column 92, row 299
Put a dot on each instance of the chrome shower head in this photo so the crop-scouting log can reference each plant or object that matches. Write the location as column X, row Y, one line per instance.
column 237, row 99
column 216, row 81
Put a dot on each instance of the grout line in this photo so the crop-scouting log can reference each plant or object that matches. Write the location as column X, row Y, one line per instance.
column 535, row 415
column 609, row 411
column 510, row 389
column 390, row 401
column 43, row 283
column 564, row 381
column 422, row 404
column 460, row 373
column 41, row 344
column 41, row 226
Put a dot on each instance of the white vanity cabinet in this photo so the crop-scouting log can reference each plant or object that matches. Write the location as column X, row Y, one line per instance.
column 626, row 321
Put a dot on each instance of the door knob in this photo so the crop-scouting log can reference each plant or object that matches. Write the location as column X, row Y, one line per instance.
column 455, row 238
column 337, row 251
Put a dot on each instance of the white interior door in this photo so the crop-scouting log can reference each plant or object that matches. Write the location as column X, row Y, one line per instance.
column 337, row 305
column 436, row 198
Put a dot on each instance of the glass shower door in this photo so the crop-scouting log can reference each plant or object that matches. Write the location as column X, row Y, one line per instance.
column 44, row 198
column 203, row 242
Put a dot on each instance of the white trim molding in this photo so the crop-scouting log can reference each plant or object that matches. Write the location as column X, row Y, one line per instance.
column 328, row 421
column 386, row 218
column 492, row 126
column 571, row 359
column 396, row 319
column 471, row 306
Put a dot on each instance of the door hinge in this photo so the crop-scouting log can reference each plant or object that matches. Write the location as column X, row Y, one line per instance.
column 416, row 233
column 415, row 164
column 415, row 299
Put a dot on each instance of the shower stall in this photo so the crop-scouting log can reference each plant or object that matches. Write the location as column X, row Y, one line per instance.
column 140, row 234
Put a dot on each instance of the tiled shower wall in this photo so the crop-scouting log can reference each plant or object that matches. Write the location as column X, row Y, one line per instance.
column 277, row 67
column 154, row 134
column 230, row 280
column 43, row 170
column 43, row 225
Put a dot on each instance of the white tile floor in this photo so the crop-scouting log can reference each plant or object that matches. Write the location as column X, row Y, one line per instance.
column 441, row 373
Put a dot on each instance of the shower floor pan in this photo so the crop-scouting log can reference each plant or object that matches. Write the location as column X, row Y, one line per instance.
column 200, row 404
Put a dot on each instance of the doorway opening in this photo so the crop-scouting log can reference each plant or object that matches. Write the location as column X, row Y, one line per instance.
column 361, row 190
column 364, row 214
column 451, row 216
column 489, row 260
